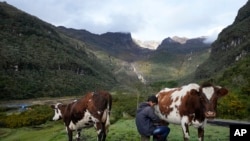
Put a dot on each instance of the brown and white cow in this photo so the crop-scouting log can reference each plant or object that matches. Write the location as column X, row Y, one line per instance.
column 189, row 105
column 93, row 109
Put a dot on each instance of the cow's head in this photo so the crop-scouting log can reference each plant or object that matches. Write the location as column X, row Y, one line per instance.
column 208, row 96
column 58, row 111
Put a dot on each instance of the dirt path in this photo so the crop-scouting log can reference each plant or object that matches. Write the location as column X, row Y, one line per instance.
column 39, row 101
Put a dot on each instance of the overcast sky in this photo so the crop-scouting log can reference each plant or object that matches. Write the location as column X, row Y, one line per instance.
column 144, row 19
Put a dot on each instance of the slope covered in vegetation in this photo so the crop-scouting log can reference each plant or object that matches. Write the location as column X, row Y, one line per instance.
column 229, row 64
column 37, row 60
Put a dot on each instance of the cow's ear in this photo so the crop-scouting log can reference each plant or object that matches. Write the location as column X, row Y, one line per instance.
column 52, row 106
column 222, row 92
column 194, row 92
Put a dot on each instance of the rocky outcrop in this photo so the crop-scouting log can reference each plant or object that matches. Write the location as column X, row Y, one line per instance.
column 183, row 46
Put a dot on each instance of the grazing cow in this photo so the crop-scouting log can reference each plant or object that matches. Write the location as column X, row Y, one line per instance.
column 93, row 109
column 189, row 105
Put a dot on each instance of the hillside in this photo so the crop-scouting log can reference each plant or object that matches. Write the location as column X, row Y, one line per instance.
column 38, row 61
column 229, row 64
column 229, row 60
column 116, row 44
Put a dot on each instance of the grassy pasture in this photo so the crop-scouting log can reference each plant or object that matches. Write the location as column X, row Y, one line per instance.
column 122, row 130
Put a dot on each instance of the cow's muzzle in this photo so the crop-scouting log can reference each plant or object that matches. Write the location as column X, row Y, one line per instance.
column 210, row 114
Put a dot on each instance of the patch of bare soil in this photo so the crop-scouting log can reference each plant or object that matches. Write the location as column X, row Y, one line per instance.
column 37, row 101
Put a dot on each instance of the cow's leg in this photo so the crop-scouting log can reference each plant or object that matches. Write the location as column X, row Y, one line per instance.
column 201, row 133
column 104, row 132
column 70, row 133
column 100, row 131
column 185, row 130
column 78, row 134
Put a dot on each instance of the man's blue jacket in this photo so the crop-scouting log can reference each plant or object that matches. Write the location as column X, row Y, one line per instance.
column 145, row 119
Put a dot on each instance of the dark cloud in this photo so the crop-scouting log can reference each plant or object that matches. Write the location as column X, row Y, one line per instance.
column 145, row 19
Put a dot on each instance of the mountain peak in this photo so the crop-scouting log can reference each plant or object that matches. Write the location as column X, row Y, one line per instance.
column 181, row 40
column 123, row 37
column 183, row 45
column 169, row 40
column 123, row 34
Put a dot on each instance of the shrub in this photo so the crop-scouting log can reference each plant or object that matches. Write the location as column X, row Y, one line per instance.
column 34, row 115
column 231, row 107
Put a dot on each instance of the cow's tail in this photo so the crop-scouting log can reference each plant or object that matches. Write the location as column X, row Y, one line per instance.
column 106, row 114
column 106, row 118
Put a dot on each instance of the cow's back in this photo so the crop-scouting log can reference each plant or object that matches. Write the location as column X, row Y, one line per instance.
column 100, row 102
column 100, row 107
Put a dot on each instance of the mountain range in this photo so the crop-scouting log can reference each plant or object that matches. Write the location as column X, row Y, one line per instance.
column 39, row 59
column 181, row 54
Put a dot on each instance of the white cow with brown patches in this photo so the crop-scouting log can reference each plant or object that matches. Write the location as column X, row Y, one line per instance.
column 189, row 105
column 91, row 110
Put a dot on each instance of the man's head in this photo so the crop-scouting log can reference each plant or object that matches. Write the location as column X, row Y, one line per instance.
column 152, row 100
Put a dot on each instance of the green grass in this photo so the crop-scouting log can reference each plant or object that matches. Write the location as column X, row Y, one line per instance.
column 122, row 130
column 47, row 132
column 212, row 133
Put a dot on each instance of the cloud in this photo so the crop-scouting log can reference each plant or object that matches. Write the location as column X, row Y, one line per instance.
column 212, row 34
column 145, row 19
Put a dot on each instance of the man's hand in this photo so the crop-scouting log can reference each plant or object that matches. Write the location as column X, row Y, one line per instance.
column 163, row 123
